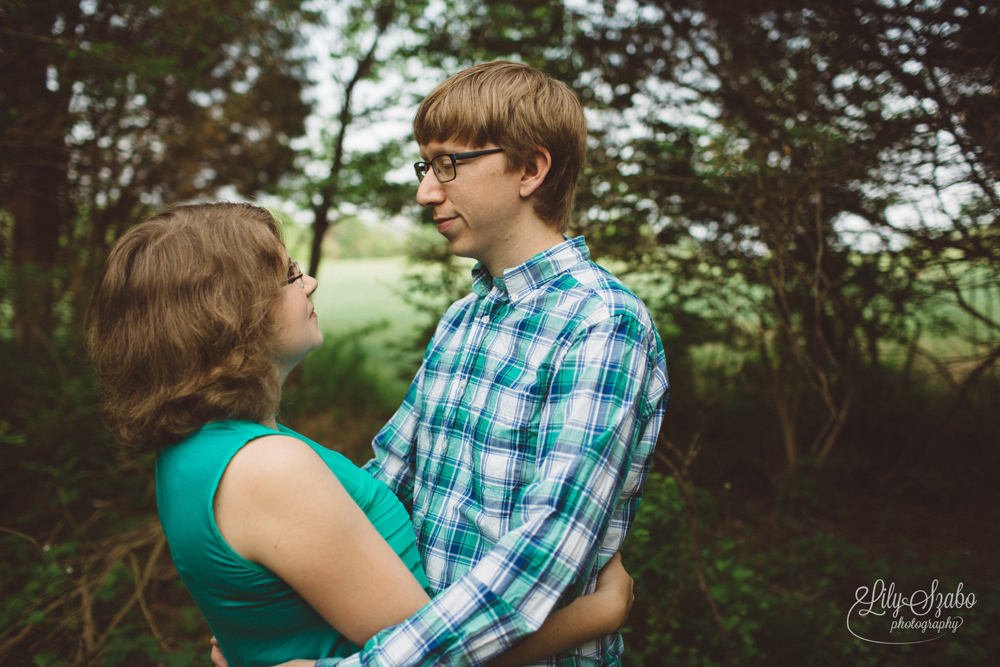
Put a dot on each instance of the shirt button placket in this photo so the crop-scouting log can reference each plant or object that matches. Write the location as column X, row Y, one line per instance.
column 478, row 335
column 484, row 320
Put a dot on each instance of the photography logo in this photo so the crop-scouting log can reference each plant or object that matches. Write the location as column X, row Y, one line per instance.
column 882, row 615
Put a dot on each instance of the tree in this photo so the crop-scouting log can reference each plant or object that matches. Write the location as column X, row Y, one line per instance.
column 113, row 107
column 382, row 52
column 759, row 159
column 375, row 47
column 761, row 155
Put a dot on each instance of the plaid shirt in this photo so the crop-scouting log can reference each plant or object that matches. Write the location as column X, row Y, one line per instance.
column 521, row 449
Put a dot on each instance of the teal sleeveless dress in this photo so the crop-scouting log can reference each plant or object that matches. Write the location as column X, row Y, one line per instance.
column 258, row 619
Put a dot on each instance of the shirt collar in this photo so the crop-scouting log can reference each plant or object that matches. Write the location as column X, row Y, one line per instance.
column 533, row 273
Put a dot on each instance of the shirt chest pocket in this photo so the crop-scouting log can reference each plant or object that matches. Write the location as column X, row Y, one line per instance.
column 506, row 426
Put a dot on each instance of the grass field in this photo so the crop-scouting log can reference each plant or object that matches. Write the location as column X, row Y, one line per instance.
column 359, row 294
column 356, row 293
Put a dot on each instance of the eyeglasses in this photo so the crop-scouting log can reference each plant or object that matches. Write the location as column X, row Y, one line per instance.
column 295, row 275
column 444, row 165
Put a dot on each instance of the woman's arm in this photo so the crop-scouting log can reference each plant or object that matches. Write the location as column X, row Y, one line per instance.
column 280, row 506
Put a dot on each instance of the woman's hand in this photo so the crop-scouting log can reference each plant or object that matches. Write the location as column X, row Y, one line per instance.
column 616, row 586
column 218, row 659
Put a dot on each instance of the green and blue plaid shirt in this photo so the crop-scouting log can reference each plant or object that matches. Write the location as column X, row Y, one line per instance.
column 521, row 449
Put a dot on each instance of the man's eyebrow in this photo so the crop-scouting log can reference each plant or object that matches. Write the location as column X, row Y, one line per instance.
column 449, row 150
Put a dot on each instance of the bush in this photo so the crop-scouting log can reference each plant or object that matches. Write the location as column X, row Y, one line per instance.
column 780, row 604
column 85, row 578
column 340, row 396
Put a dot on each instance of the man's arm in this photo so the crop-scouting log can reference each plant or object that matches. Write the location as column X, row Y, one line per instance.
column 603, row 611
column 585, row 619
column 595, row 408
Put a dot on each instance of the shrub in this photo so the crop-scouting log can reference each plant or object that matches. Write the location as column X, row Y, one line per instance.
column 780, row 604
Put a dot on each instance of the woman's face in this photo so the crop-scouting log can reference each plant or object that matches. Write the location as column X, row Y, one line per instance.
column 297, row 327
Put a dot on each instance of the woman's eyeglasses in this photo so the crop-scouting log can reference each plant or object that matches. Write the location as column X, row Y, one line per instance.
column 295, row 275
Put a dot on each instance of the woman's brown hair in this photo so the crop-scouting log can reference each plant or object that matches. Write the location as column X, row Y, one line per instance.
column 180, row 323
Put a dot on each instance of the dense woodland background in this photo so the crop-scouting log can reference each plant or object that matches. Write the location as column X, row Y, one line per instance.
column 805, row 193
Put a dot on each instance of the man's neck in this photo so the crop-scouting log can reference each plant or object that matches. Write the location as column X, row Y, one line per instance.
column 524, row 244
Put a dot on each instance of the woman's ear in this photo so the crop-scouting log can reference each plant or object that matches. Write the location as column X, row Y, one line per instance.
column 535, row 171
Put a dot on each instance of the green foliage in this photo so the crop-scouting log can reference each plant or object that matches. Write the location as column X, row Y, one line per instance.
column 370, row 64
column 340, row 377
column 344, row 392
column 97, row 602
column 352, row 238
column 75, row 528
column 782, row 603
column 117, row 107
column 764, row 157
column 435, row 280
column 54, row 448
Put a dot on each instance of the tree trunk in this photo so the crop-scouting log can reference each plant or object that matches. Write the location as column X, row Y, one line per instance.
column 320, row 225
column 34, row 182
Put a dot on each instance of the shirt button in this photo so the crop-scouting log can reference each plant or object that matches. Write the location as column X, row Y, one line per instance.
column 484, row 319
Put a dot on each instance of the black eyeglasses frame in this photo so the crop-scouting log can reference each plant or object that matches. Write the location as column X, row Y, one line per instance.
column 421, row 168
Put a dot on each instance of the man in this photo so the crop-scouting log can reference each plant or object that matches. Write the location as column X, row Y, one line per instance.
column 523, row 443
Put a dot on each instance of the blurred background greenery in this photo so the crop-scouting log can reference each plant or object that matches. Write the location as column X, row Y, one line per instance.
column 805, row 194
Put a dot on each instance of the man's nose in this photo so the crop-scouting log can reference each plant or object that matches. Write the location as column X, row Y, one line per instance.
column 430, row 191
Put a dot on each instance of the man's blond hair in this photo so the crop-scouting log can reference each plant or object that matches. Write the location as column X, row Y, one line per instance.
column 520, row 109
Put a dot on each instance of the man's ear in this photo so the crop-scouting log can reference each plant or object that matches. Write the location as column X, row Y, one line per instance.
column 535, row 171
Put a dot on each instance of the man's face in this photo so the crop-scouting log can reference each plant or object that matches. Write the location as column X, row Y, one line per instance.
column 479, row 211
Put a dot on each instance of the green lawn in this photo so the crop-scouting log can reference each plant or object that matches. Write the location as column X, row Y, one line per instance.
column 354, row 293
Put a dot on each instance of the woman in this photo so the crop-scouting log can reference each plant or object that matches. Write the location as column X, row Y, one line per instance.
column 289, row 550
